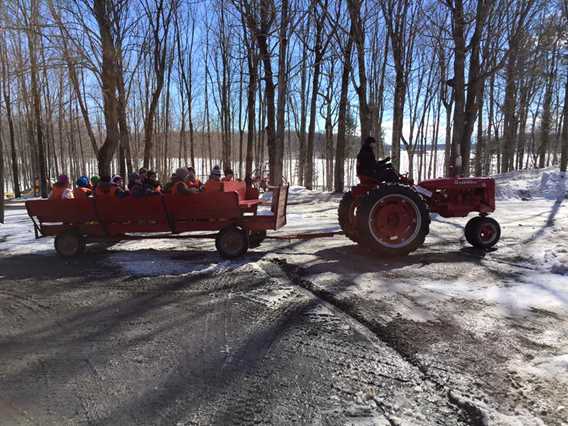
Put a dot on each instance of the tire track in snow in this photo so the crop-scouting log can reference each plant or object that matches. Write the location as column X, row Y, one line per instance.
column 471, row 413
column 464, row 411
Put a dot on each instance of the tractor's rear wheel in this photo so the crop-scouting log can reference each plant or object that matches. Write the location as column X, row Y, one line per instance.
column 347, row 214
column 482, row 232
column 232, row 242
column 393, row 220
column 69, row 244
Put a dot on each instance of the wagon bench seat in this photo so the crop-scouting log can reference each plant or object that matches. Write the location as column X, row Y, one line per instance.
column 249, row 203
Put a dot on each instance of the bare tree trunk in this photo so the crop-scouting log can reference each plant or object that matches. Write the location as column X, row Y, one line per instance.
column 1, row 177
column 241, row 124
column 342, row 118
column 8, row 105
column 206, row 112
column 224, row 88
column 546, row 120
column 160, row 24
column 170, row 65
column 282, row 89
column 458, row 84
column 101, row 9
column 401, row 33
column 328, row 148
column 564, row 140
column 318, row 58
column 302, row 156
column 123, row 122
column 182, row 151
column 32, row 44
column 480, row 147
column 433, row 164
column 379, row 102
column 187, row 79
column 252, row 63
column 261, row 31
column 523, row 116
column 358, row 33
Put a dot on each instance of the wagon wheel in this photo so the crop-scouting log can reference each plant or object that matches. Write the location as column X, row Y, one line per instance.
column 392, row 220
column 69, row 244
column 483, row 232
column 256, row 238
column 232, row 242
column 347, row 213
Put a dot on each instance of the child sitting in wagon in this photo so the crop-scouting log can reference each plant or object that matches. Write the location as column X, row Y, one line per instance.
column 214, row 181
column 108, row 187
column 181, row 183
column 82, row 188
column 61, row 189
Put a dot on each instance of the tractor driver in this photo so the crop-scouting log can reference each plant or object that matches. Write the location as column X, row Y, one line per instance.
column 368, row 166
column 366, row 161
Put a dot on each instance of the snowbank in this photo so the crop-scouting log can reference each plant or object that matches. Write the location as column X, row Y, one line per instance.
column 17, row 235
column 300, row 194
column 547, row 183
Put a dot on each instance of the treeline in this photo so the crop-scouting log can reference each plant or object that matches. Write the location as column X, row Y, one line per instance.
column 288, row 86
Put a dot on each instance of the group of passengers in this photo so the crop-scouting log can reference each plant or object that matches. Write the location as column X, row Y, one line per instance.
column 143, row 183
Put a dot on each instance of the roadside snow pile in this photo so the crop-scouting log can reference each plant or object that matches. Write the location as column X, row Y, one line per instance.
column 556, row 260
column 17, row 235
column 297, row 195
column 527, row 184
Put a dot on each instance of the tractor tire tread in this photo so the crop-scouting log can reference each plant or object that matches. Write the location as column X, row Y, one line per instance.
column 367, row 203
column 343, row 217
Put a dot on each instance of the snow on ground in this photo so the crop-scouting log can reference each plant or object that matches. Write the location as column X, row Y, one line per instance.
column 17, row 234
column 160, row 264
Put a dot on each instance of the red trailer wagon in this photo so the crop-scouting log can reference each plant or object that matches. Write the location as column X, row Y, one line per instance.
column 231, row 208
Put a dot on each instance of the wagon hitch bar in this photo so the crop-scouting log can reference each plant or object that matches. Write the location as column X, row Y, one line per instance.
column 305, row 236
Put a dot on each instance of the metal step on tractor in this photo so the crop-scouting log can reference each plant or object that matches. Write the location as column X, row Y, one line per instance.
column 390, row 215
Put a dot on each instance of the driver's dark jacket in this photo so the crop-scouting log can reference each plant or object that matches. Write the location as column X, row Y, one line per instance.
column 366, row 161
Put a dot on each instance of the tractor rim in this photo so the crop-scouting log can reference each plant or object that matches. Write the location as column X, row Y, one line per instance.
column 232, row 242
column 69, row 244
column 487, row 232
column 395, row 221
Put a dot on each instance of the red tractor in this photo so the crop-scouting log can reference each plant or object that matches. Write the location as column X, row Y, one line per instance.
column 390, row 215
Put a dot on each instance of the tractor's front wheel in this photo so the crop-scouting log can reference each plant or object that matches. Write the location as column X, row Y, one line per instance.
column 393, row 220
column 232, row 242
column 69, row 244
column 482, row 232
column 347, row 215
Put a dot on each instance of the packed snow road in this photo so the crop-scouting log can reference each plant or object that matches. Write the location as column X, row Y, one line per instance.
column 315, row 331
